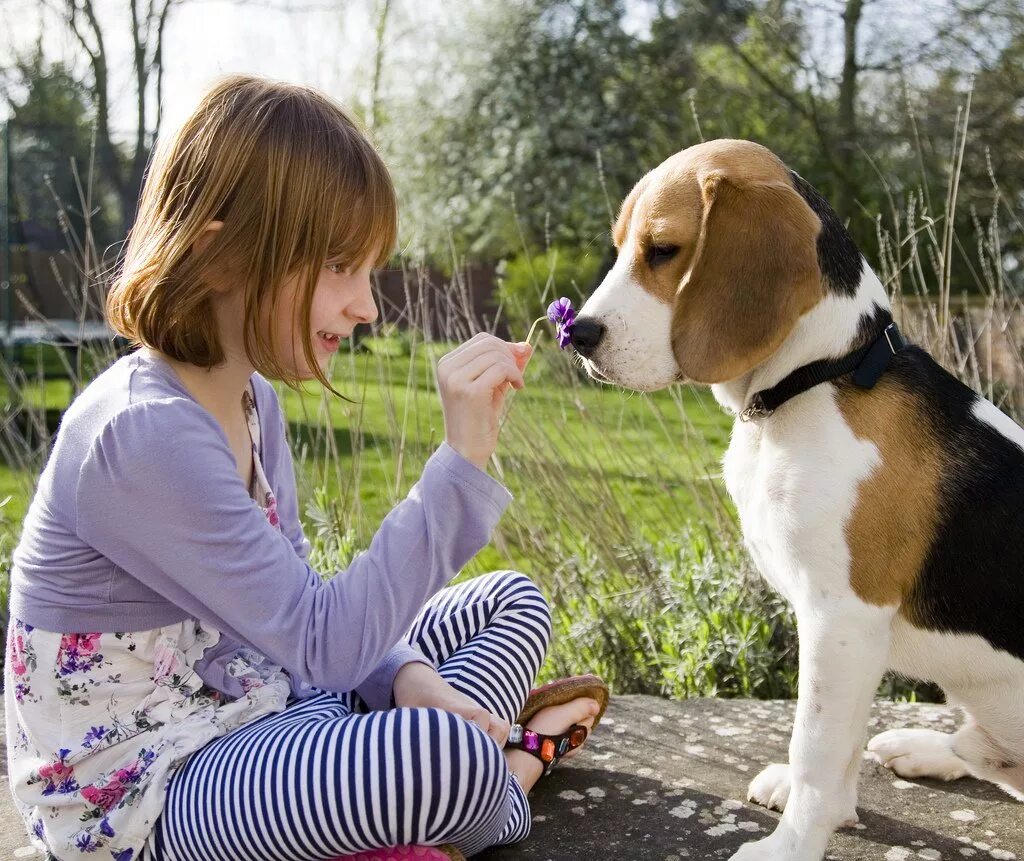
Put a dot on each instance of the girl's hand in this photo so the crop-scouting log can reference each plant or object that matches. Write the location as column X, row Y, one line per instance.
column 420, row 686
column 473, row 380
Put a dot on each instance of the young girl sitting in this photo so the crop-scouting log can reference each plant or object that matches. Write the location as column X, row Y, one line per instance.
column 229, row 701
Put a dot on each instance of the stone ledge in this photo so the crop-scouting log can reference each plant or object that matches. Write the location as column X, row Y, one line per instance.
column 667, row 780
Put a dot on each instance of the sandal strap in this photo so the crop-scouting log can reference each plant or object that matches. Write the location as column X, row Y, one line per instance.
column 549, row 749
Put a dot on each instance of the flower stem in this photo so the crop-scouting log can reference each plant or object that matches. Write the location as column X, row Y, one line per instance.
column 508, row 397
column 534, row 326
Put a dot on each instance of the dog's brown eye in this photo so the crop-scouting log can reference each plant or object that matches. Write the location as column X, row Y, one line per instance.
column 658, row 254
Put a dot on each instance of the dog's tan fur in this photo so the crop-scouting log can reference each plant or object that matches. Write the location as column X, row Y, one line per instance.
column 893, row 523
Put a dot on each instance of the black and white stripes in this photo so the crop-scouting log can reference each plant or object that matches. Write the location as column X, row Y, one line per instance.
column 322, row 779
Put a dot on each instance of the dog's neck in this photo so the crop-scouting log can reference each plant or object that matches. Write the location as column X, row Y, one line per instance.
column 829, row 330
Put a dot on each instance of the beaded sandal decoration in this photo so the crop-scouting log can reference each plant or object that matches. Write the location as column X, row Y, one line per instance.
column 547, row 748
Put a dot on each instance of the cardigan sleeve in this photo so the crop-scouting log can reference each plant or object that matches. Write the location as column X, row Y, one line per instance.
column 158, row 494
column 376, row 690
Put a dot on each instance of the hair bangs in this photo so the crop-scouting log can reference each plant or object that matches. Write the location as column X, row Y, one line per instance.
column 363, row 213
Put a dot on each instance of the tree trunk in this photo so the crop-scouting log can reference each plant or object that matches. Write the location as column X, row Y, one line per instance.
column 372, row 115
column 847, row 143
column 124, row 174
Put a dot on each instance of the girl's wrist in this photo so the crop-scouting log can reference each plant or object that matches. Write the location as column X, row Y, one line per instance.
column 477, row 460
column 410, row 680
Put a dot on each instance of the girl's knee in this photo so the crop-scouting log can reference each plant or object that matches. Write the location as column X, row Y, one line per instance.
column 519, row 591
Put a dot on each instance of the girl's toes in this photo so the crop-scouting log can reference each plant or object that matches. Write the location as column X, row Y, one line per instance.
column 555, row 720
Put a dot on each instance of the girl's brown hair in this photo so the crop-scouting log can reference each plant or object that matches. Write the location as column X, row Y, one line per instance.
column 295, row 184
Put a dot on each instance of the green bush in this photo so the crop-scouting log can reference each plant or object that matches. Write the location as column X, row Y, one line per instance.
column 526, row 284
column 701, row 623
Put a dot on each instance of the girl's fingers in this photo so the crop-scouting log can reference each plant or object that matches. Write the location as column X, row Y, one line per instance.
column 522, row 353
column 480, row 365
column 499, row 362
column 499, row 730
column 482, row 719
column 497, row 375
column 481, row 340
column 474, row 347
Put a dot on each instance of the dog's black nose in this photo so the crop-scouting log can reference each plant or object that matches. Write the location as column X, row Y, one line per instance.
column 586, row 335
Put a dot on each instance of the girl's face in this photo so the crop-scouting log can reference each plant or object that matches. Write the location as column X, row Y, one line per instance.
column 341, row 300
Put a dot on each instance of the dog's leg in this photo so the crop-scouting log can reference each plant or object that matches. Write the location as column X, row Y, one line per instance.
column 843, row 652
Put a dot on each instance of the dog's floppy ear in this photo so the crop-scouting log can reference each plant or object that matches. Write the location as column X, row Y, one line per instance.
column 755, row 271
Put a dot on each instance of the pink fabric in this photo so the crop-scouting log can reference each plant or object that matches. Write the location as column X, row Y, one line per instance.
column 398, row 853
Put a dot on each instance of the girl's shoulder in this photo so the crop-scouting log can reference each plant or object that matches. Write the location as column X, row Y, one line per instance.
column 129, row 415
column 139, row 407
column 131, row 382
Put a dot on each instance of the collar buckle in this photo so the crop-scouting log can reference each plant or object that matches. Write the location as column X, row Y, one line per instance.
column 757, row 409
column 894, row 338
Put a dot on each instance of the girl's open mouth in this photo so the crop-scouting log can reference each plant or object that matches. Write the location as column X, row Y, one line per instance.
column 329, row 341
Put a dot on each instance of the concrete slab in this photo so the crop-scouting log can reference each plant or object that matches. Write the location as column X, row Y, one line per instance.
column 667, row 780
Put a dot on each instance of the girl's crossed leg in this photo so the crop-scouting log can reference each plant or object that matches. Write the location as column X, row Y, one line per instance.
column 321, row 779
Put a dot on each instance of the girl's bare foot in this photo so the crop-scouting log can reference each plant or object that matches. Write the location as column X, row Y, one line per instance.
column 553, row 720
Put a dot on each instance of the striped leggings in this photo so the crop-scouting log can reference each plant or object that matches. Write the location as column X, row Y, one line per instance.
column 325, row 778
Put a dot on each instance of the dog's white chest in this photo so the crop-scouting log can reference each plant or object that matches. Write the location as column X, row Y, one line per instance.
column 794, row 481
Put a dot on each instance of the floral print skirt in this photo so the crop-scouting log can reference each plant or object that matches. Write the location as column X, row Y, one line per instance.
column 98, row 722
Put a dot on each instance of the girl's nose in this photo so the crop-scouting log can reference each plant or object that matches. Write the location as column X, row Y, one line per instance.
column 364, row 309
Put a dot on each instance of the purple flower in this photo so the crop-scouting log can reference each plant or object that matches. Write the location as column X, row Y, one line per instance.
column 561, row 313
column 105, row 827
column 86, row 843
column 95, row 734
column 67, row 785
column 125, row 855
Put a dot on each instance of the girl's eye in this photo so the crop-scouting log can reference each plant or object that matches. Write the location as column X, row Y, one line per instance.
column 336, row 268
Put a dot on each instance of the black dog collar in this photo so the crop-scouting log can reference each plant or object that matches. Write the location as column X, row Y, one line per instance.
column 867, row 364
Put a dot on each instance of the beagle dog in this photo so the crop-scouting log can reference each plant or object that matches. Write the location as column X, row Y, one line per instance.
column 879, row 495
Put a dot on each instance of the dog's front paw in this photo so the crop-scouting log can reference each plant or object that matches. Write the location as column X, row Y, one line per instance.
column 771, row 787
column 755, row 852
column 918, row 753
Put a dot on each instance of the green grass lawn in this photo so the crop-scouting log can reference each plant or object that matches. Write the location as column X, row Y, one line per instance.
column 651, row 455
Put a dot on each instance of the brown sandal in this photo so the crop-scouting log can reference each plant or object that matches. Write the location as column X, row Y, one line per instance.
column 563, row 691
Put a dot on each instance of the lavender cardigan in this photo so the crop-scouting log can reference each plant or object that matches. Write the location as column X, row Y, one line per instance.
column 140, row 520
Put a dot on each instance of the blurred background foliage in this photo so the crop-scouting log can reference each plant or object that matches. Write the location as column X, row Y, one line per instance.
column 515, row 126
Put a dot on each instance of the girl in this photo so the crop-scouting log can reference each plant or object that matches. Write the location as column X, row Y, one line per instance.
column 230, row 702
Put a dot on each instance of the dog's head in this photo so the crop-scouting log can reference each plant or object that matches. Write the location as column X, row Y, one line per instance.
column 717, row 260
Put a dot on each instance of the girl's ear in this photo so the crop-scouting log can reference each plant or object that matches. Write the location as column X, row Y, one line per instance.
column 755, row 272
column 203, row 242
